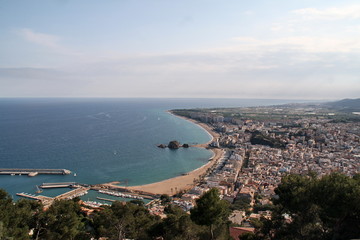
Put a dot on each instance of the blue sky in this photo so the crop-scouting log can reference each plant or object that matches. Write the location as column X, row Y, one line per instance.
column 206, row 48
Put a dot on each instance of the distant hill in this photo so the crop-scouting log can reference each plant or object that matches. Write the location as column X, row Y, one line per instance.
column 346, row 105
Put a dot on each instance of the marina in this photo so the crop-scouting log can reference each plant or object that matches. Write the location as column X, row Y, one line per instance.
column 119, row 194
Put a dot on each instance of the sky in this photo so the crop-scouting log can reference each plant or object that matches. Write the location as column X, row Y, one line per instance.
column 279, row 49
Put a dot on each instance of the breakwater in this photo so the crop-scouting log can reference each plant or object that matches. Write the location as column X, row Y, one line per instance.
column 31, row 172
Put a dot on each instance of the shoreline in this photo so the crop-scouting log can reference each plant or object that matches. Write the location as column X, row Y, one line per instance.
column 187, row 181
column 204, row 126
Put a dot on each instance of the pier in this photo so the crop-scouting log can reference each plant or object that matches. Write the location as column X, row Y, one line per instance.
column 46, row 201
column 106, row 199
column 35, row 197
column 32, row 172
column 78, row 192
column 58, row 185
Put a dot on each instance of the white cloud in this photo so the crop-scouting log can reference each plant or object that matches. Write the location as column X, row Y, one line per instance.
column 248, row 13
column 43, row 39
column 334, row 13
column 299, row 43
column 51, row 42
column 333, row 22
column 284, row 67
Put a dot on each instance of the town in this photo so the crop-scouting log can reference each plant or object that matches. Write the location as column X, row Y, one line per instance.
column 263, row 144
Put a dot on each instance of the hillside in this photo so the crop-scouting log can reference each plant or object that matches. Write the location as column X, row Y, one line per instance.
column 345, row 105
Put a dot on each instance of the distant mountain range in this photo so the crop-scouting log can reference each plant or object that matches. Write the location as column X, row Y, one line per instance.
column 346, row 105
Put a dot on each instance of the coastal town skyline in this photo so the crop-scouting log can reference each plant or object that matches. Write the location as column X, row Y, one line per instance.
column 187, row 49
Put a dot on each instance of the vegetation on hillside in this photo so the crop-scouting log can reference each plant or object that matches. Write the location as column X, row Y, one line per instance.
column 306, row 207
column 311, row 208
column 25, row 219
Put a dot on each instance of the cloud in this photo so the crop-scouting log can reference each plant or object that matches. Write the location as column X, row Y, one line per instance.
column 43, row 39
column 49, row 41
column 333, row 22
column 334, row 13
column 248, row 13
column 286, row 67
column 264, row 72
column 299, row 43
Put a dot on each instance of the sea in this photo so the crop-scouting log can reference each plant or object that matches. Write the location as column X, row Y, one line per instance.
column 101, row 140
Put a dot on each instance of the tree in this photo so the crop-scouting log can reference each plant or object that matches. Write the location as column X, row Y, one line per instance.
column 63, row 220
column 165, row 199
column 124, row 221
column 210, row 210
column 16, row 218
column 310, row 208
column 177, row 226
column 137, row 202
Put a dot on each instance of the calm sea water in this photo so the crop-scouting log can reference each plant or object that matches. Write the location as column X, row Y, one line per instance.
column 101, row 140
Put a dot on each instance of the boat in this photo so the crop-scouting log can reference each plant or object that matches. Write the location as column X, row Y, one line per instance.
column 38, row 189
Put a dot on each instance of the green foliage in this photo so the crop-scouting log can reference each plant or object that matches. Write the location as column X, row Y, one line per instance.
column 241, row 203
column 62, row 220
column 138, row 202
column 210, row 210
column 165, row 199
column 326, row 208
column 178, row 227
column 174, row 210
column 124, row 221
column 248, row 236
column 259, row 207
column 259, row 138
column 16, row 219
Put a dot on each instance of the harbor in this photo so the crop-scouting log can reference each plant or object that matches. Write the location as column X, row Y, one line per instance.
column 79, row 190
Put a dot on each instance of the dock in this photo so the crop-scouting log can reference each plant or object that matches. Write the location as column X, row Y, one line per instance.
column 47, row 201
column 35, row 197
column 57, row 185
column 31, row 172
column 78, row 192
column 106, row 199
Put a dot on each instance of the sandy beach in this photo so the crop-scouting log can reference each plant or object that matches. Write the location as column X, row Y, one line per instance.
column 184, row 182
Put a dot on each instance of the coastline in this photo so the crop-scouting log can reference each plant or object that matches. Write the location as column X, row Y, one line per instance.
column 184, row 182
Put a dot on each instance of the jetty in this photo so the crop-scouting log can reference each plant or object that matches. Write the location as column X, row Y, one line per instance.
column 106, row 199
column 47, row 201
column 58, row 185
column 31, row 172
column 35, row 197
column 77, row 192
